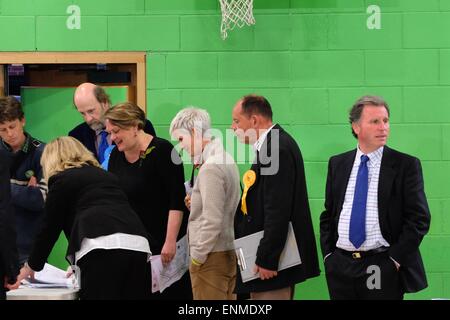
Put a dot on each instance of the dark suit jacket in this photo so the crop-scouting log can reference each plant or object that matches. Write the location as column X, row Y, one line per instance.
column 87, row 136
column 84, row 202
column 273, row 201
column 9, row 264
column 402, row 208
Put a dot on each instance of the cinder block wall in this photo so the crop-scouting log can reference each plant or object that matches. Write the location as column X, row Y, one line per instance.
column 311, row 58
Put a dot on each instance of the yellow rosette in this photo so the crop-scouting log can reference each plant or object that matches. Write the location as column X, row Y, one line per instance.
column 248, row 179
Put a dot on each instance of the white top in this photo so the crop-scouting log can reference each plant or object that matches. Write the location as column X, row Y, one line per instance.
column 113, row 241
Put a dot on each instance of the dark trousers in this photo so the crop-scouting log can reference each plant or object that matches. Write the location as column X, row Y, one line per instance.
column 373, row 277
column 115, row 274
column 2, row 279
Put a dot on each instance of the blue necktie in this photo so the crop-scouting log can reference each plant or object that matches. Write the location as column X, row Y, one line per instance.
column 358, row 218
column 103, row 145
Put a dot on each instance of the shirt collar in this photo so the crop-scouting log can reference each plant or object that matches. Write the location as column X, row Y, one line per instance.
column 374, row 156
column 99, row 131
column 25, row 146
column 258, row 144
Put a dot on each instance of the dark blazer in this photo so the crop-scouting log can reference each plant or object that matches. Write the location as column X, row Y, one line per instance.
column 403, row 211
column 9, row 264
column 273, row 201
column 87, row 136
column 84, row 202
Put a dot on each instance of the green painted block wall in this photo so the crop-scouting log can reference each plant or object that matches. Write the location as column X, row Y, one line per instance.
column 311, row 58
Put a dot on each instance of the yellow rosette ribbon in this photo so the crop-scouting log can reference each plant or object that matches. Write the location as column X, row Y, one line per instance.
column 248, row 179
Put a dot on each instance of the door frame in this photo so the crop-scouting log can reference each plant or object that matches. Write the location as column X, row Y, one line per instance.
column 137, row 58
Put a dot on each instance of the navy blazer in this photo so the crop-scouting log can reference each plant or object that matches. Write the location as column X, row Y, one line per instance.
column 87, row 136
column 403, row 211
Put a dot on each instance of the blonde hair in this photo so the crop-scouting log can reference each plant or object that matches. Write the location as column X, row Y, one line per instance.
column 65, row 153
column 126, row 115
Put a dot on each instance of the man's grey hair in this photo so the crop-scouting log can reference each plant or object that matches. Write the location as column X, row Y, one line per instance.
column 190, row 118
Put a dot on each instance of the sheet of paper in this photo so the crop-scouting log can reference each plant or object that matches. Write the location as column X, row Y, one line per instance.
column 246, row 248
column 163, row 277
column 50, row 277
column 187, row 187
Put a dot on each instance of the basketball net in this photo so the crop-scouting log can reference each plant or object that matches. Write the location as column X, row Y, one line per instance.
column 235, row 13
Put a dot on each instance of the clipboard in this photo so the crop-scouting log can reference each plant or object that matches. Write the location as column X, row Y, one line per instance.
column 246, row 248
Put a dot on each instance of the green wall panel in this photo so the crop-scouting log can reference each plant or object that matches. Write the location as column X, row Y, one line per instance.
column 333, row 139
column 163, row 105
column 327, row 68
column 436, row 176
column 406, row 5
column 446, row 281
column 52, row 34
column 446, row 142
column 309, row 32
column 402, row 67
column 316, row 177
column 418, row 36
column 446, row 216
column 181, row 6
column 130, row 33
column 349, row 31
column 437, row 221
column 427, row 146
column 342, row 100
column 272, row 31
column 192, row 70
column 308, row 6
column 111, row 7
column 202, row 33
column 427, row 104
column 156, row 71
column 34, row 7
column 24, row 33
column 430, row 246
column 309, row 106
column 435, row 288
column 253, row 69
column 265, row 6
column 444, row 70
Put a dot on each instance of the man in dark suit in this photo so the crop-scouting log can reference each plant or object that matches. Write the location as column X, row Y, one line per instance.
column 9, row 263
column 376, row 213
column 275, row 194
column 91, row 102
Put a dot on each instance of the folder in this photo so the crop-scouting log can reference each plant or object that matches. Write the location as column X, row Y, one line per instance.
column 246, row 248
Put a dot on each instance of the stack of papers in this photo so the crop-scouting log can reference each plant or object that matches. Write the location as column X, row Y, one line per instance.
column 51, row 277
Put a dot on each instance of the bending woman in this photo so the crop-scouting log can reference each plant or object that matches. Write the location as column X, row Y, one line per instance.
column 107, row 241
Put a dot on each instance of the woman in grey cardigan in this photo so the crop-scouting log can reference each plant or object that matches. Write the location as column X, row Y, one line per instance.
column 213, row 203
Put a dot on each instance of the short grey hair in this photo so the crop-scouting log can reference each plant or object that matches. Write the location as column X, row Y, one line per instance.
column 357, row 109
column 190, row 118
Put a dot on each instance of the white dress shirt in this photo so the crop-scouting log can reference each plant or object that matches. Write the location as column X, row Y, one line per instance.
column 258, row 144
column 374, row 238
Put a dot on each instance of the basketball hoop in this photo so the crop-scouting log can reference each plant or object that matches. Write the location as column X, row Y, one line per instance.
column 235, row 13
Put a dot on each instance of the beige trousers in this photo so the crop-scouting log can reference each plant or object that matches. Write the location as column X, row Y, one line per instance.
column 279, row 294
column 216, row 278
